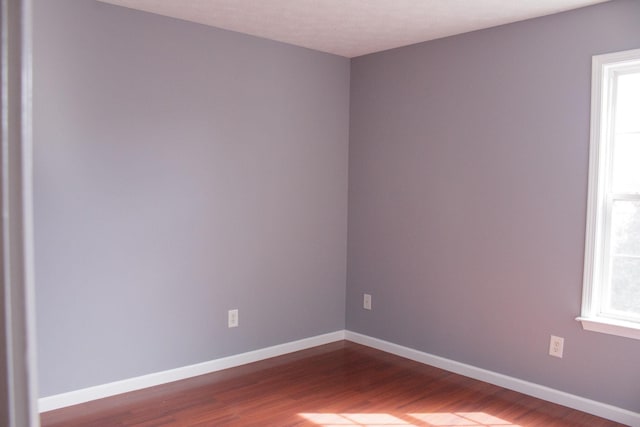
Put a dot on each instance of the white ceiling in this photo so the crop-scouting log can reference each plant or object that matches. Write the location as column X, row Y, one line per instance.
column 353, row 27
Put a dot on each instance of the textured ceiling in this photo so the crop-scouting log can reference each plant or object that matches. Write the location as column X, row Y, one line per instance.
column 353, row 27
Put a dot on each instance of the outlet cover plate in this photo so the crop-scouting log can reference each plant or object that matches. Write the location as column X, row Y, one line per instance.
column 556, row 346
column 366, row 302
column 232, row 318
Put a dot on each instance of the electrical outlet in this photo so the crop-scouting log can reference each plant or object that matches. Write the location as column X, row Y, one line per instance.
column 232, row 318
column 366, row 302
column 556, row 346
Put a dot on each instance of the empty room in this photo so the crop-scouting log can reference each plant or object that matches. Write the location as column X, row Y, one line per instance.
column 332, row 213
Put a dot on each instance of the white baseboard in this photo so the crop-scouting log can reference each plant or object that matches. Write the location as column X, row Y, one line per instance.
column 556, row 396
column 62, row 400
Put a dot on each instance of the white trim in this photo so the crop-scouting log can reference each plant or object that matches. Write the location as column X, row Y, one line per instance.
column 62, row 400
column 619, row 58
column 556, row 396
column 610, row 326
column 599, row 202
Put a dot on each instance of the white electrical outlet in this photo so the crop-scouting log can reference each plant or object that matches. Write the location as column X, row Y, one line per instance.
column 232, row 318
column 366, row 302
column 556, row 346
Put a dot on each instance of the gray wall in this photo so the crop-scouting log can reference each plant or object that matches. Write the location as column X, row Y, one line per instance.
column 181, row 171
column 467, row 199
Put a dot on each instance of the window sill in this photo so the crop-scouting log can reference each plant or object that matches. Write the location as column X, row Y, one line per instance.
column 610, row 326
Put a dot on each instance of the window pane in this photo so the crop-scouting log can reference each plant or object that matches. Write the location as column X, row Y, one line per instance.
column 625, row 285
column 625, row 263
column 625, row 228
column 626, row 163
column 628, row 103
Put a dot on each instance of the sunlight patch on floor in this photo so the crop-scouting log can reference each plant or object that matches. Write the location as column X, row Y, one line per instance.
column 435, row 419
column 368, row 420
column 471, row 419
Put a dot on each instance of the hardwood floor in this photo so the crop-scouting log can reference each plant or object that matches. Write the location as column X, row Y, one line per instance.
column 336, row 385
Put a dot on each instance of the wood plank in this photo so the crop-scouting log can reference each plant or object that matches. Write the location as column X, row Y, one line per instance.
column 338, row 384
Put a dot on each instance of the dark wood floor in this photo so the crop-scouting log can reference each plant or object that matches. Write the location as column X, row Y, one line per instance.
column 336, row 385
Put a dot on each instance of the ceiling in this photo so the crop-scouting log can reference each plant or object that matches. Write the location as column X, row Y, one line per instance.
column 353, row 27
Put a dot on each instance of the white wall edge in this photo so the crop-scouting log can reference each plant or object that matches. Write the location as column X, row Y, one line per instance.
column 75, row 397
column 593, row 407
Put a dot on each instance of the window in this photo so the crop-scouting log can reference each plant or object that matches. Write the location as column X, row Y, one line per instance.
column 611, row 296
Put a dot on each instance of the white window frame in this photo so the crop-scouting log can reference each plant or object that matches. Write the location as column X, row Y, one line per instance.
column 605, row 68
